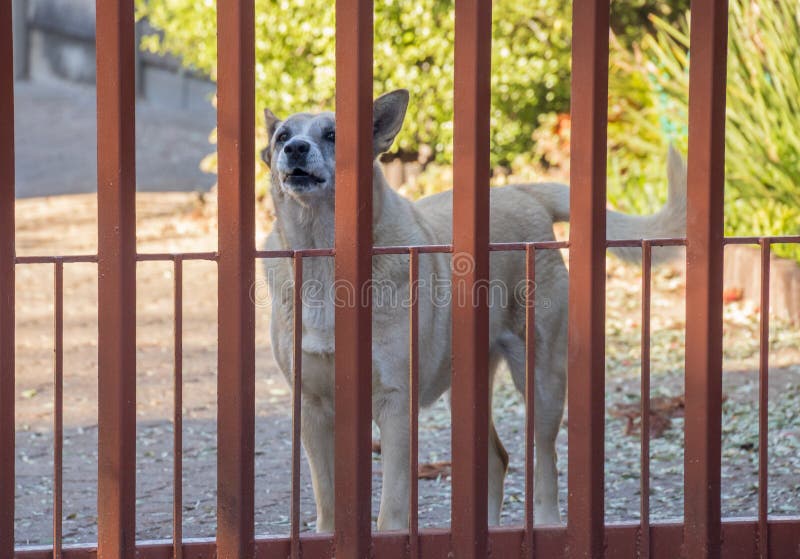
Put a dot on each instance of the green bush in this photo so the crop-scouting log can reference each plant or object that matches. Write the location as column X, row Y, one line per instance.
column 649, row 108
column 413, row 49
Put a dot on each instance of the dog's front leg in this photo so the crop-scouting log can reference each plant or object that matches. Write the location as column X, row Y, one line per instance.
column 317, row 434
column 392, row 419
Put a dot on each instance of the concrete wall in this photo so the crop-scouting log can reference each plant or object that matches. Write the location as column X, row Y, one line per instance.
column 54, row 40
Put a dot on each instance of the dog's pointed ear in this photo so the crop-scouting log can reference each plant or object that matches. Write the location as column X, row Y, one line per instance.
column 388, row 113
column 271, row 122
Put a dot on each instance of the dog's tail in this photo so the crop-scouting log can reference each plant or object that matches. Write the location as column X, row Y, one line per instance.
column 669, row 221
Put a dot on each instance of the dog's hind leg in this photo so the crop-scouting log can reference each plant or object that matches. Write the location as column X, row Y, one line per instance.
column 550, row 379
column 498, row 466
column 498, row 457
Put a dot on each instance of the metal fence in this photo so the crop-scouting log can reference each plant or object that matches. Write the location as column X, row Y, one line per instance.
column 703, row 534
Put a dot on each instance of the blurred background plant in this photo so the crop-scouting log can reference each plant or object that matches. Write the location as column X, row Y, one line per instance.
column 413, row 49
column 648, row 90
column 648, row 108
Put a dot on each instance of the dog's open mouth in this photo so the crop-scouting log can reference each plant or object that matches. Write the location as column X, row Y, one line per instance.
column 299, row 177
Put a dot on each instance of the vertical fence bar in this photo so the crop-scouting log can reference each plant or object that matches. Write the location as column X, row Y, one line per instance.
column 644, row 482
column 177, row 411
column 116, row 220
column 704, row 258
column 7, row 428
column 353, row 263
column 58, row 404
column 297, row 384
column 587, row 265
column 530, row 395
column 763, row 405
column 470, row 385
column 236, row 310
column 413, row 402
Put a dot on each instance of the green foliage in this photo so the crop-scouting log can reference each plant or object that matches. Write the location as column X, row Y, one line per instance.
column 413, row 49
column 649, row 108
column 630, row 19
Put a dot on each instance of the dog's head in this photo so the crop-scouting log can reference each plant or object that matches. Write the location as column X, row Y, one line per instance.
column 301, row 152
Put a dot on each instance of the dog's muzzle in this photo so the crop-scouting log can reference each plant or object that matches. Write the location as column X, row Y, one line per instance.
column 298, row 179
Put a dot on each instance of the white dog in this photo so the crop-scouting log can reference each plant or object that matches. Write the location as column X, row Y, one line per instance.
column 301, row 158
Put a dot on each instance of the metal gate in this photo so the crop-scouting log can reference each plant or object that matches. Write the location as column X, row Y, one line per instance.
column 702, row 535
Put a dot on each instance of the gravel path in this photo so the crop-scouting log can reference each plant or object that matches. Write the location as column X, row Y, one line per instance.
column 177, row 222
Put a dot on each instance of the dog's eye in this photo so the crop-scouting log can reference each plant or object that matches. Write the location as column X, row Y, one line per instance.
column 283, row 136
column 330, row 135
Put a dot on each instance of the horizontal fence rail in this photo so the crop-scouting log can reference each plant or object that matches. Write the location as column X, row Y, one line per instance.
column 703, row 534
column 738, row 542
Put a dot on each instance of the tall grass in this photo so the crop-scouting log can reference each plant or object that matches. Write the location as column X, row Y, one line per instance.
column 648, row 109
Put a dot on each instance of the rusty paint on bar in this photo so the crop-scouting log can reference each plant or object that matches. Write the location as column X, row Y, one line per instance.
column 738, row 543
column 306, row 252
column 644, row 481
column 529, row 548
column 177, row 410
column 763, row 405
column 171, row 256
column 539, row 245
column 236, row 262
column 704, row 258
column 297, row 384
column 652, row 242
column 116, row 221
column 423, row 249
column 470, row 311
column 587, row 266
column 757, row 240
column 58, row 405
column 7, row 425
column 413, row 403
column 67, row 259
column 353, row 268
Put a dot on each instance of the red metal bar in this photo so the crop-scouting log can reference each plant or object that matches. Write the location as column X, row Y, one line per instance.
column 353, row 243
column 530, row 396
column 738, row 543
column 116, row 220
column 89, row 258
column 293, row 253
column 177, row 412
column 587, row 280
column 470, row 315
column 704, row 257
column 171, row 256
column 757, row 240
column 297, row 384
column 424, row 249
column 236, row 310
column 763, row 405
column 638, row 242
column 644, row 482
column 58, row 405
column 7, row 428
column 413, row 402
column 541, row 245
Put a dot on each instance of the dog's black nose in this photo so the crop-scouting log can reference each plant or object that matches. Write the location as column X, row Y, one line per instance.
column 297, row 148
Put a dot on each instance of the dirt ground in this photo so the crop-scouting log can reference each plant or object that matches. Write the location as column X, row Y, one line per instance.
column 182, row 222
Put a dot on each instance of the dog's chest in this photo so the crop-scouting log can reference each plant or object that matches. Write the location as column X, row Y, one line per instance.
column 319, row 307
